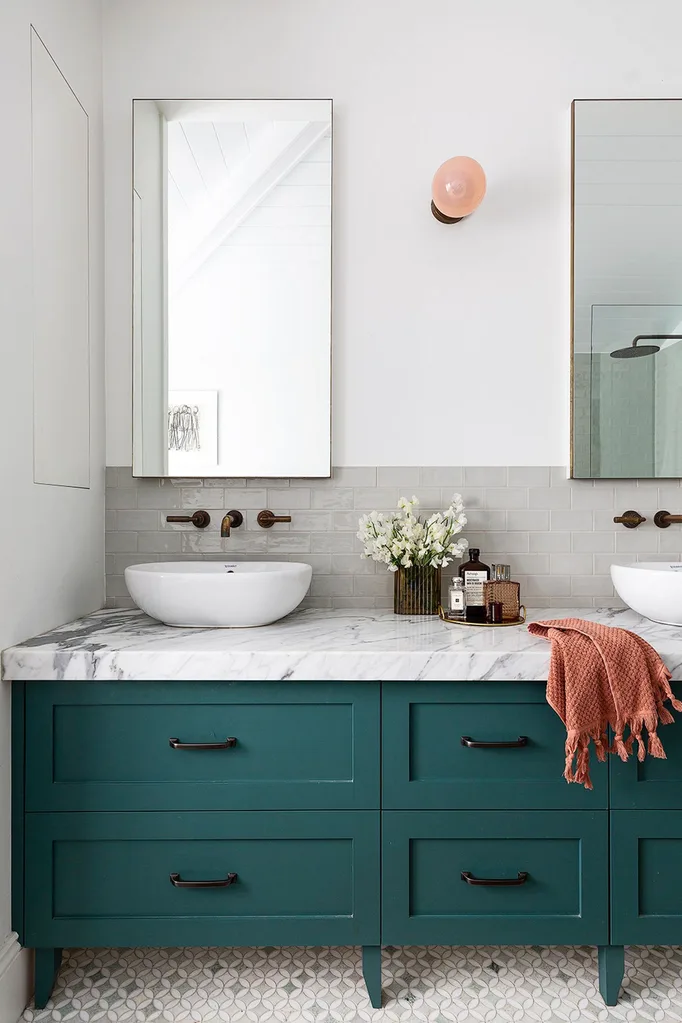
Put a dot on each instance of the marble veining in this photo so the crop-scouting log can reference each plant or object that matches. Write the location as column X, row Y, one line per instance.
column 309, row 645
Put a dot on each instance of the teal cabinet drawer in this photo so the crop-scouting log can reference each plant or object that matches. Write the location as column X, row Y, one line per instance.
column 426, row 766
column 651, row 784
column 646, row 896
column 427, row 902
column 106, row 747
column 104, row 879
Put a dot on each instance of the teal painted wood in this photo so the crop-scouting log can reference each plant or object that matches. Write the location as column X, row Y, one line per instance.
column 47, row 963
column 651, row 784
column 611, row 971
column 304, row 878
column 105, row 746
column 371, row 971
column 426, row 902
column 646, row 896
column 425, row 765
column 18, row 775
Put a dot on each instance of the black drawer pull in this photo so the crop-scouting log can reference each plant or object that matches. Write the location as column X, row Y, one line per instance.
column 228, row 744
column 221, row 882
column 499, row 882
column 515, row 744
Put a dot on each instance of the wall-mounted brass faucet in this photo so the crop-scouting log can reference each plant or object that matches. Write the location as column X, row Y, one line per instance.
column 663, row 519
column 230, row 521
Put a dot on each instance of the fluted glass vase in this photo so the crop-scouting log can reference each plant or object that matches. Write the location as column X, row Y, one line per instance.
column 416, row 590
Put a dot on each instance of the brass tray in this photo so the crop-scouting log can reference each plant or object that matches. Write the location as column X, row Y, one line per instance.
column 483, row 625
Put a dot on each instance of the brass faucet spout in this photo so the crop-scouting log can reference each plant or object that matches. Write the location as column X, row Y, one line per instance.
column 231, row 520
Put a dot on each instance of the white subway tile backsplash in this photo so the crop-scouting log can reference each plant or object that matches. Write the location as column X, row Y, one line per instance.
column 557, row 534
column 568, row 564
column 295, row 497
column 531, row 518
column 398, row 476
column 442, row 476
column 333, row 499
column 594, row 543
column 585, row 498
column 485, row 476
column 134, row 519
column 550, row 542
column 528, row 476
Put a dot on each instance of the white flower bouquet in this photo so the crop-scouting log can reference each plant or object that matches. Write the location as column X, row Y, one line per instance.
column 402, row 539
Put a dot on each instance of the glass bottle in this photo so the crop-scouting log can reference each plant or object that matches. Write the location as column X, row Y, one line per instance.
column 474, row 575
column 457, row 601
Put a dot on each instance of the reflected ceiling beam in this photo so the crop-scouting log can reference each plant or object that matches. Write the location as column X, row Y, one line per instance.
column 268, row 173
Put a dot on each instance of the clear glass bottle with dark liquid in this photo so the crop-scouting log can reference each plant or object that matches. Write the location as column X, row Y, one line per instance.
column 474, row 574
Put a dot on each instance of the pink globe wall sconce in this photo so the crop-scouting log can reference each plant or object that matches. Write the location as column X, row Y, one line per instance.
column 457, row 190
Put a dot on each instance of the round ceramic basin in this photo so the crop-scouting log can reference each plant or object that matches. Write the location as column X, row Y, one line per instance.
column 216, row 594
column 652, row 588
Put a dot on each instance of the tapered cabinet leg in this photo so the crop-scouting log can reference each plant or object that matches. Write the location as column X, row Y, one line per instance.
column 47, row 963
column 611, row 970
column 371, row 971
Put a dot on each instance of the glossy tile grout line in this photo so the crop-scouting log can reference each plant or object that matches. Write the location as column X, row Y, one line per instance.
column 437, row 984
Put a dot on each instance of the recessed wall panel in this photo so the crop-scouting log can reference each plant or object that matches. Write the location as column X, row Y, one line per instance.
column 61, row 373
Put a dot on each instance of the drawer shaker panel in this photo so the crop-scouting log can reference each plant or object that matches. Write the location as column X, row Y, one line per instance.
column 646, row 901
column 652, row 784
column 491, row 878
column 135, row 879
column 202, row 746
column 474, row 745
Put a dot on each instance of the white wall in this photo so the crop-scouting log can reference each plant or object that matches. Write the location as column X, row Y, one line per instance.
column 420, row 309
column 51, row 552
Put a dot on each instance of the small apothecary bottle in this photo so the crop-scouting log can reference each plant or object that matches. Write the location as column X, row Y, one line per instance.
column 474, row 575
column 457, row 601
column 501, row 588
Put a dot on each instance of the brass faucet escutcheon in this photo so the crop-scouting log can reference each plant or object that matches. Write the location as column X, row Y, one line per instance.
column 630, row 519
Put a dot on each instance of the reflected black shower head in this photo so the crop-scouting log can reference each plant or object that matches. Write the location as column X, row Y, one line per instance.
column 636, row 351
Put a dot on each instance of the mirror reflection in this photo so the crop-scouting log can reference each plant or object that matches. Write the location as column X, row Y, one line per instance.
column 232, row 287
column 627, row 288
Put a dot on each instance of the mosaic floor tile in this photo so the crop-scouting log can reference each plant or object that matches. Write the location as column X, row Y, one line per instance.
column 324, row 985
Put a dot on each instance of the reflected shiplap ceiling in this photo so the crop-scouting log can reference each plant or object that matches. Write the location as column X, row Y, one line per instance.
column 219, row 172
column 627, row 222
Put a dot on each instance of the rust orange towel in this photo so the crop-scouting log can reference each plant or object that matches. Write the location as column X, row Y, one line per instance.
column 599, row 676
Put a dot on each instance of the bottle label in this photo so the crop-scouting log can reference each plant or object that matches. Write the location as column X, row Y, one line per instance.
column 473, row 583
column 457, row 600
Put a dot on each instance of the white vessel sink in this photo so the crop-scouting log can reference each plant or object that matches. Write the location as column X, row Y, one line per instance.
column 217, row 594
column 652, row 588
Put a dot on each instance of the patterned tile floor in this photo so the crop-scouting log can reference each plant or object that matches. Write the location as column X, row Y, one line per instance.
column 322, row 985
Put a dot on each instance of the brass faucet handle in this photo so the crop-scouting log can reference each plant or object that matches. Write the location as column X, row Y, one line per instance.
column 663, row 519
column 630, row 519
column 267, row 518
column 200, row 519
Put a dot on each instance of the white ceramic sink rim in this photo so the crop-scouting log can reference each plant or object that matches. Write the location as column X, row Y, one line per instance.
column 652, row 589
column 218, row 594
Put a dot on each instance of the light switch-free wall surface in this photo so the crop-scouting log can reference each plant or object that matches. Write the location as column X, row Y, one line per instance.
column 61, row 356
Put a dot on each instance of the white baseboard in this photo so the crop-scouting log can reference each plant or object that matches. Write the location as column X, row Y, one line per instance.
column 15, row 979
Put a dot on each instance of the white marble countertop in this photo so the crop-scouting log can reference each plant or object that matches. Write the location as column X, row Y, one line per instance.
column 310, row 645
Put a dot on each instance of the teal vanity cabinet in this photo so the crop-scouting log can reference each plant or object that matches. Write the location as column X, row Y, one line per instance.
column 196, row 814
column 255, row 813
